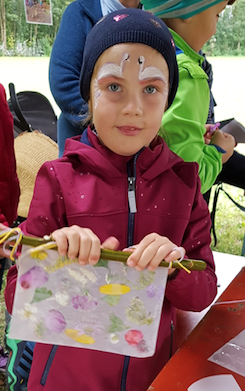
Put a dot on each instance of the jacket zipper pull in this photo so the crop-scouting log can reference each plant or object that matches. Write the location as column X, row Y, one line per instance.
column 131, row 194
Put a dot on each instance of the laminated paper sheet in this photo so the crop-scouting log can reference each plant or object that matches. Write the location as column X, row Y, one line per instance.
column 232, row 355
column 110, row 307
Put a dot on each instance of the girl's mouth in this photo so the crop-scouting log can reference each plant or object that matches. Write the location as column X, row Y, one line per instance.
column 129, row 130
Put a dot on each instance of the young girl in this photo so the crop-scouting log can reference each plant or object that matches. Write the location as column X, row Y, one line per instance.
column 119, row 185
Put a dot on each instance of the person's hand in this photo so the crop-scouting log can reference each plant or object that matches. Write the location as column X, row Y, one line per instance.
column 152, row 250
column 225, row 141
column 208, row 135
column 81, row 243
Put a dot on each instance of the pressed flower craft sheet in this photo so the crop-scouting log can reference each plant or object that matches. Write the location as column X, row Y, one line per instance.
column 108, row 307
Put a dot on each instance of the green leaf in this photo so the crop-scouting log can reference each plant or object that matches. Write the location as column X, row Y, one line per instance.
column 41, row 294
column 102, row 263
column 39, row 330
column 112, row 300
column 116, row 324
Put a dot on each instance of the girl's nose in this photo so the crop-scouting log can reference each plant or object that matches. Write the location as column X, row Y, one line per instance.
column 133, row 105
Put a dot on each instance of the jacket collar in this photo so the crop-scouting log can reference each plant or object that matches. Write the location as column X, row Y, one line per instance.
column 150, row 163
column 181, row 44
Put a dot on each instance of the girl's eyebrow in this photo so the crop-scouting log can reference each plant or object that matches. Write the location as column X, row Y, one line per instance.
column 151, row 72
column 111, row 69
column 152, row 80
column 108, row 78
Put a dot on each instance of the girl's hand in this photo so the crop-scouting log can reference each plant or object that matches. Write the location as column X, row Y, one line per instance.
column 152, row 250
column 81, row 243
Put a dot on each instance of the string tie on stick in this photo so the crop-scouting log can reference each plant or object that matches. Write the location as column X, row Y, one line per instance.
column 180, row 249
column 7, row 237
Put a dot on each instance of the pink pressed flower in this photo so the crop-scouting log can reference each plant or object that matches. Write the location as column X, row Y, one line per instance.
column 83, row 302
column 34, row 278
column 55, row 321
column 133, row 337
column 151, row 291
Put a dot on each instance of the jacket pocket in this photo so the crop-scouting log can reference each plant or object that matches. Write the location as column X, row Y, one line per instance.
column 195, row 71
column 48, row 365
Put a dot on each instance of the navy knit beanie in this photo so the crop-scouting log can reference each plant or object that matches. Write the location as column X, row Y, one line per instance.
column 124, row 26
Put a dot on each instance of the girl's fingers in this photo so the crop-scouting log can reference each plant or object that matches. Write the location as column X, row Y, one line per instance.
column 176, row 254
column 150, row 252
column 137, row 254
column 89, row 247
column 111, row 243
column 61, row 240
column 160, row 255
column 79, row 243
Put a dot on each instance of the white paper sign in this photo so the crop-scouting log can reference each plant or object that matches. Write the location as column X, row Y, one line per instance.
column 216, row 383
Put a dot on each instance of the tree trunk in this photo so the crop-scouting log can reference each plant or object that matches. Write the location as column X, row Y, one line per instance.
column 3, row 25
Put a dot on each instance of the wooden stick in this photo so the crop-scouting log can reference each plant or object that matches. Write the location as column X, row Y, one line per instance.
column 112, row 255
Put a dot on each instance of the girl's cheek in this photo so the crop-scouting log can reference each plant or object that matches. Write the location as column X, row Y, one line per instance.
column 156, row 100
column 111, row 97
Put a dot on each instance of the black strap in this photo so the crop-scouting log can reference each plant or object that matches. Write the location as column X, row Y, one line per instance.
column 219, row 188
column 216, row 194
column 242, row 208
column 22, row 123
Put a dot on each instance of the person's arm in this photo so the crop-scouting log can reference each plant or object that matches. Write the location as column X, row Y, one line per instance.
column 183, row 128
column 9, row 184
column 46, row 213
column 66, row 60
column 195, row 291
column 47, row 209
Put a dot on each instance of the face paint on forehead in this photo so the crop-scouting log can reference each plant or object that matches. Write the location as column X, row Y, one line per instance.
column 97, row 93
column 112, row 69
column 150, row 72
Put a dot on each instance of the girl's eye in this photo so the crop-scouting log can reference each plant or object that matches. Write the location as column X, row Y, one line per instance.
column 150, row 90
column 114, row 87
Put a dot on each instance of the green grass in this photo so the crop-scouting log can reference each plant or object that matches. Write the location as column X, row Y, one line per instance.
column 229, row 221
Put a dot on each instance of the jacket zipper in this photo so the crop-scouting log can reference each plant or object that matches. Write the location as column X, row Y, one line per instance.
column 130, row 239
column 48, row 365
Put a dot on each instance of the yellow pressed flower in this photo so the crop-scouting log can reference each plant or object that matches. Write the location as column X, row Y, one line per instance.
column 114, row 289
column 82, row 338
column 41, row 255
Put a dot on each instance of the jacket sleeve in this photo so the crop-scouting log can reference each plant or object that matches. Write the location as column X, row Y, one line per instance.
column 46, row 213
column 9, row 291
column 66, row 60
column 183, row 126
column 47, row 209
column 197, row 290
column 9, row 184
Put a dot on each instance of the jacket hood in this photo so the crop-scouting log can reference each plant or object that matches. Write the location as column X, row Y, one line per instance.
column 92, row 8
column 151, row 161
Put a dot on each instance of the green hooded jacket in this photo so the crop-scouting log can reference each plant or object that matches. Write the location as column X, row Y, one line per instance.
column 183, row 123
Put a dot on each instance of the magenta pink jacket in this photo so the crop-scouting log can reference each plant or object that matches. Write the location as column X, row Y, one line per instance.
column 88, row 186
column 9, row 184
